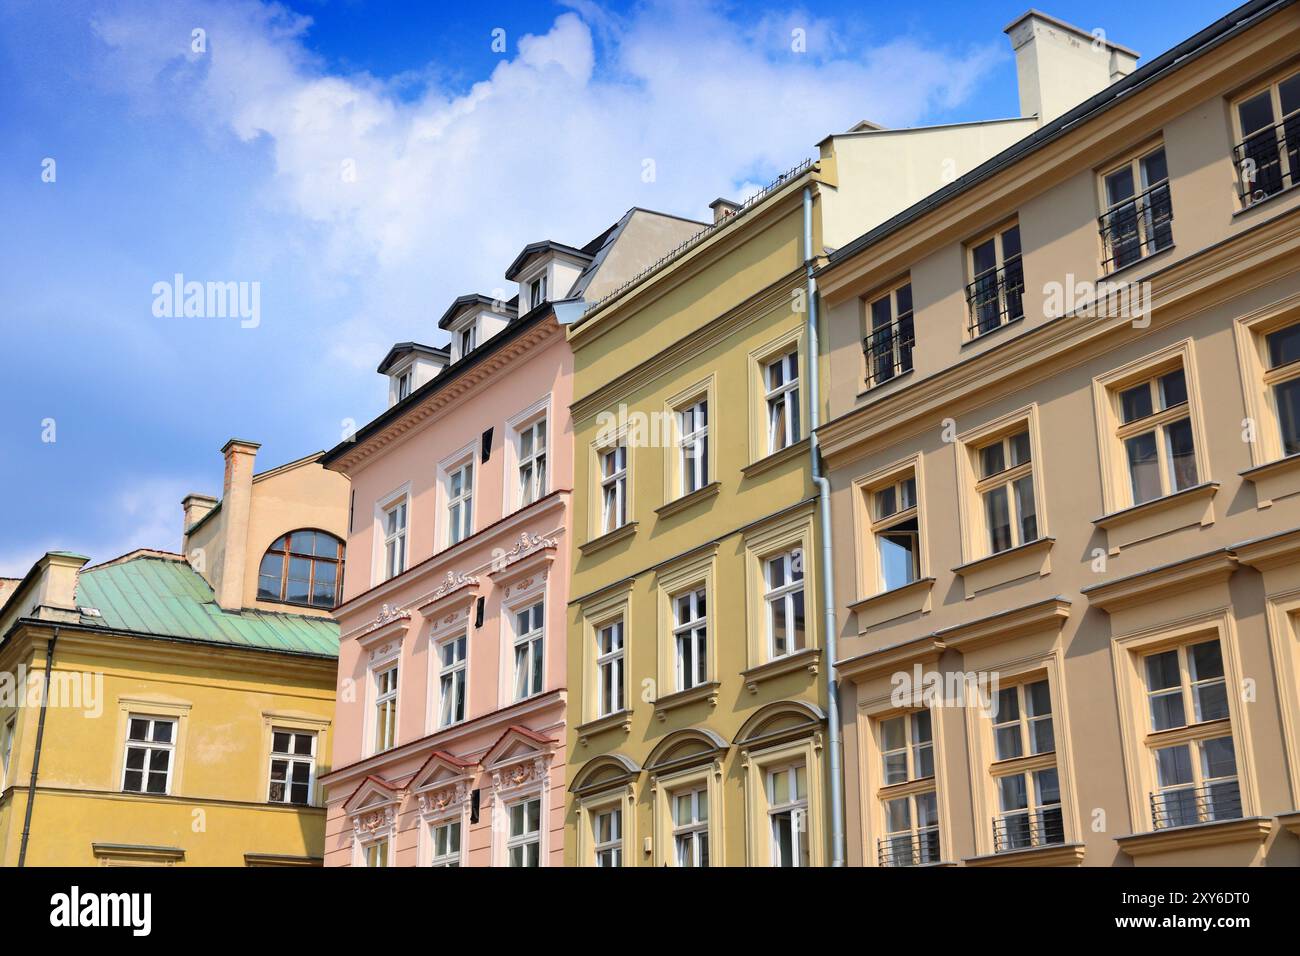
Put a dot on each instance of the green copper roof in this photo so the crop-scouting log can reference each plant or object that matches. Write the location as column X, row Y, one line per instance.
column 167, row 598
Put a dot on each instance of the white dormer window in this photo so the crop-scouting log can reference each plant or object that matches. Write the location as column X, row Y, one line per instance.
column 468, row 340
column 537, row 291
column 404, row 383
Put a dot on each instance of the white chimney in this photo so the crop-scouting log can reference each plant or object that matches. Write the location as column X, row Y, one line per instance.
column 1059, row 65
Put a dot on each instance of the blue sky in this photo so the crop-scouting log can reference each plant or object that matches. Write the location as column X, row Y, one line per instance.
column 228, row 165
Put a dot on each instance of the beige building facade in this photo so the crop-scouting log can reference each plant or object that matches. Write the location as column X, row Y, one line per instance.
column 1063, row 449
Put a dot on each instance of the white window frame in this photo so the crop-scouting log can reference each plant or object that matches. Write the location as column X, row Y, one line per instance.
column 691, row 830
column 381, row 848
column 527, row 837
column 149, row 746
column 468, row 333
column 382, row 697
column 460, row 507
column 608, row 853
column 11, row 730
column 292, row 759
column 693, row 446
column 533, row 486
column 611, row 668
column 613, row 488
column 451, row 858
column 405, row 382
column 792, row 804
column 533, row 644
column 782, row 398
column 399, row 504
column 1158, row 422
column 536, row 291
column 781, row 600
column 692, row 632
column 457, row 672
column 1006, row 481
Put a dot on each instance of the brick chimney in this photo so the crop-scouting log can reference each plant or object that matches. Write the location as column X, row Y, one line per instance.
column 1059, row 65
column 236, row 500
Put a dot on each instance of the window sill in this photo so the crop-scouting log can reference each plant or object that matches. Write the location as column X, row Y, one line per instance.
column 913, row 598
column 767, row 463
column 879, row 385
column 708, row 691
column 1290, row 822
column 1149, row 257
column 1274, row 480
column 686, row 501
column 608, row 538
column 1152, row 519
column 1058, row 854
column 1217, row 833
column 619, row 719
column 1027, row 560
column 1285, row 191
column 808, row 659
column 984, row 336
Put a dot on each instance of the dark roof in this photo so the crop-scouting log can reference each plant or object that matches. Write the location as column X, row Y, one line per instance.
column 1172, row 59
column 473, row 298
column 404, row 348
column 546, row 245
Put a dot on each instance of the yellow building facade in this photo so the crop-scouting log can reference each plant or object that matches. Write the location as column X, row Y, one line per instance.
column 144, row 723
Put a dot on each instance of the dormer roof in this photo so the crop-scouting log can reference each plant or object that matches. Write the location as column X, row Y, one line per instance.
column 534, row 249
column 403, row 349
column 463, row 302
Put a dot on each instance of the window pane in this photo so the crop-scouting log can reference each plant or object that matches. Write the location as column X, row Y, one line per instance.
column 886, row 502
column 1019, row 448
column 1173, row 766
column 898, row 557
column 1119, row 186
column 1173, row 389
column 1012, row 792
column 983, row 257
column 1143, row 467
column 999, row 519
column 1135, row 403
column 1287, row 397
column 1154, row 169
column 1025, row 507
column 1217, row 758
column 1284, row 346
column 992, row 460
column 1182, row 454
column 1256, row 113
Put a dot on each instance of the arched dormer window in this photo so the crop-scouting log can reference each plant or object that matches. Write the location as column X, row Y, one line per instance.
column 302, row 567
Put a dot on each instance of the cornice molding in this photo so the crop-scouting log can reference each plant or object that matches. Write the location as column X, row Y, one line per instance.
column 1191, row 574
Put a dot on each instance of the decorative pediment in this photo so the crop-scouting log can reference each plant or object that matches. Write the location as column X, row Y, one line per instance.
column 686, row 748
column 389, row 623
column 779, row 721
column 525, row 564
column 457, row 591
column 372, row 793
column 605, row 773
column 441, row 769
column 519, row 758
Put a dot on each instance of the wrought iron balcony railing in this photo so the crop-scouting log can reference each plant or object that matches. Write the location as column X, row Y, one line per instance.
column 996, row 297
column 909, row 849
column 1220, row 800
column 1268, row 161
column 889, row 350
column 1137, row 227
column 1023, row 829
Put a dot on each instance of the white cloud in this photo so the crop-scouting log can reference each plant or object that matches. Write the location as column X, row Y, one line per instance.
column 450, row 184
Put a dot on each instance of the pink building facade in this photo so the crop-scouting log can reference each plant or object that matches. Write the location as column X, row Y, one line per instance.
column 450, row 720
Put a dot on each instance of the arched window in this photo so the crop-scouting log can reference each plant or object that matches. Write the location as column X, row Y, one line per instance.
column 303, row 567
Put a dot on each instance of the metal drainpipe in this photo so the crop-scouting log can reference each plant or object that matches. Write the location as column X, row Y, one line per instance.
column 36, row 757
column 835, row 744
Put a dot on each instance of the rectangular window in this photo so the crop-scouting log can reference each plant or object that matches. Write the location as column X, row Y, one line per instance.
column 293, row 766
column 613, row 488
column 537, row 291
column 1155, row 430
column 404, row 384
column 150, row 752
column 896, row 527
column 1268, row 156
column 690, row 638
column 1283, row 382
column 908, row 800
column 781, row 380
column 452, row 673
column 532, row 462
column 890, row 335
column 787, row 814
column 524, row 843
column 1187, row 697
column 375, row 854
column 468, row 340
column 1030, row 810
column 690, row 811
column 1022, row 723
column 609, row 668
column 693, row 446
column 784, row 603
column 446, row 844
column 1006, row 490
column 996, row 292
column 529, row 633
column 1138, row 216
column 608, row 837
column 395, row 539
column 11, row 727
column 385, row 709
column 460, row 503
